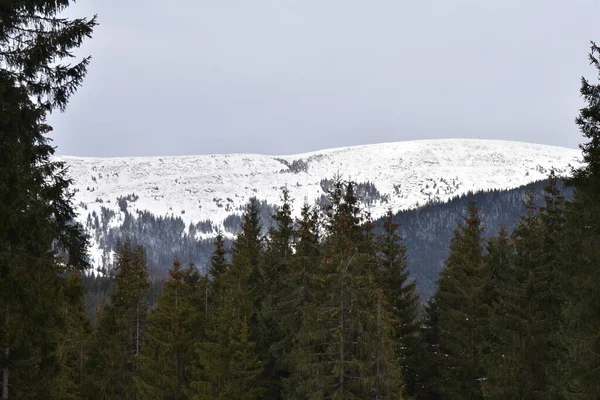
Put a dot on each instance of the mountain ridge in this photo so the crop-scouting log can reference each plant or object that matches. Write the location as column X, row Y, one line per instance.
column 397, row 175
column 319, row 151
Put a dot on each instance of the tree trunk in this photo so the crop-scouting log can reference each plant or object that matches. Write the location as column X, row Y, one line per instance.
column 5, row 376
column 5, row 371
column 137, row 329
column 378, row 380
column 342, row 338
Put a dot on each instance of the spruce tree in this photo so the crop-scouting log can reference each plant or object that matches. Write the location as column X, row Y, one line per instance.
column 461, row 312
column 499, row 264
column 228, row 358
column 498, row 261
column 177, row 322
column 427, row 368
column 525, row 314
column 296, row 297
column 276, row 264
column 552, row 216
column 119, row 332
column 581, row 332
column 218, row 263
column 344, row 347
column 72, row 350
column 403, row 297
column 34, row 41
column 36, row 215
column 36, row 223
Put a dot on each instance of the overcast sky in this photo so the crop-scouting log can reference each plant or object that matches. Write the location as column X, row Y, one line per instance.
column 288, row 76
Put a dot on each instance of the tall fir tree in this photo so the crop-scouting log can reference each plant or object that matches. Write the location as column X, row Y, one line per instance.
column 344, row 347
column 177, row 322
column 36, row 215
column 552, row 216
column 229, row 358
column 498, row 259
column 509, row 357
column 119, row 332
column 427, row 367
column 403, row 298
column 462, row 313
column 72, row 350
column 36, row 222
column 34, row 39
column 526, row 312
column 276, row 264
column 581, row 332
column 296, row 296
column 218, row 263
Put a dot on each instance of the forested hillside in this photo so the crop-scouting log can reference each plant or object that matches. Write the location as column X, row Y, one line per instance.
column 427, row 231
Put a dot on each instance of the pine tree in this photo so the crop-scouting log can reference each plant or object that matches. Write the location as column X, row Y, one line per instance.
column 228, row 358
column 33, row 37
column 462, row 313
column 427, row 371
column 499, row 264
column 118, row 336
column 403, row 298
column 526, row 311
column 581, row 333
column 36, row 215
column 172, row 328
column 498, row 258
column 553, row 224
column 218, row 263
column 296, row 296
column 275, row 267
column 36, row 222
column 71, row 352
column 344, row 348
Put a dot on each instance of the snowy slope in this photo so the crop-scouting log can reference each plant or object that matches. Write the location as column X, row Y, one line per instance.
column 212, row 187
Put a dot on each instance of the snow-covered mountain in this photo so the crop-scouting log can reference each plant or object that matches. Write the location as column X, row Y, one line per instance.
column 399, row 175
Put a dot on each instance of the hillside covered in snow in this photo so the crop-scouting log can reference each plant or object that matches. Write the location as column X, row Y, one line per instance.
column 210, row 189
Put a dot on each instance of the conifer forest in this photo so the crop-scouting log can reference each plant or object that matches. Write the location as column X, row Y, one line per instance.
column 319, row 307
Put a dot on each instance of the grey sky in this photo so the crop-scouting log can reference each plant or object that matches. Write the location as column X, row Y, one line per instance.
column 288, row 76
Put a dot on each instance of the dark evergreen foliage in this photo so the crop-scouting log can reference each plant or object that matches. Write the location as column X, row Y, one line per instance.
column 36, row 215
column 295, row 297
column 229, row 362
column 71, row 353
column 580, row 377
column 401, row 292
column 344, row 348
column 515, row 363
column 276, row 265
column 119, row 334
column 218, row 264
column 173, row 327
column 32, row 39
column 462, row 313
column 427, row 367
